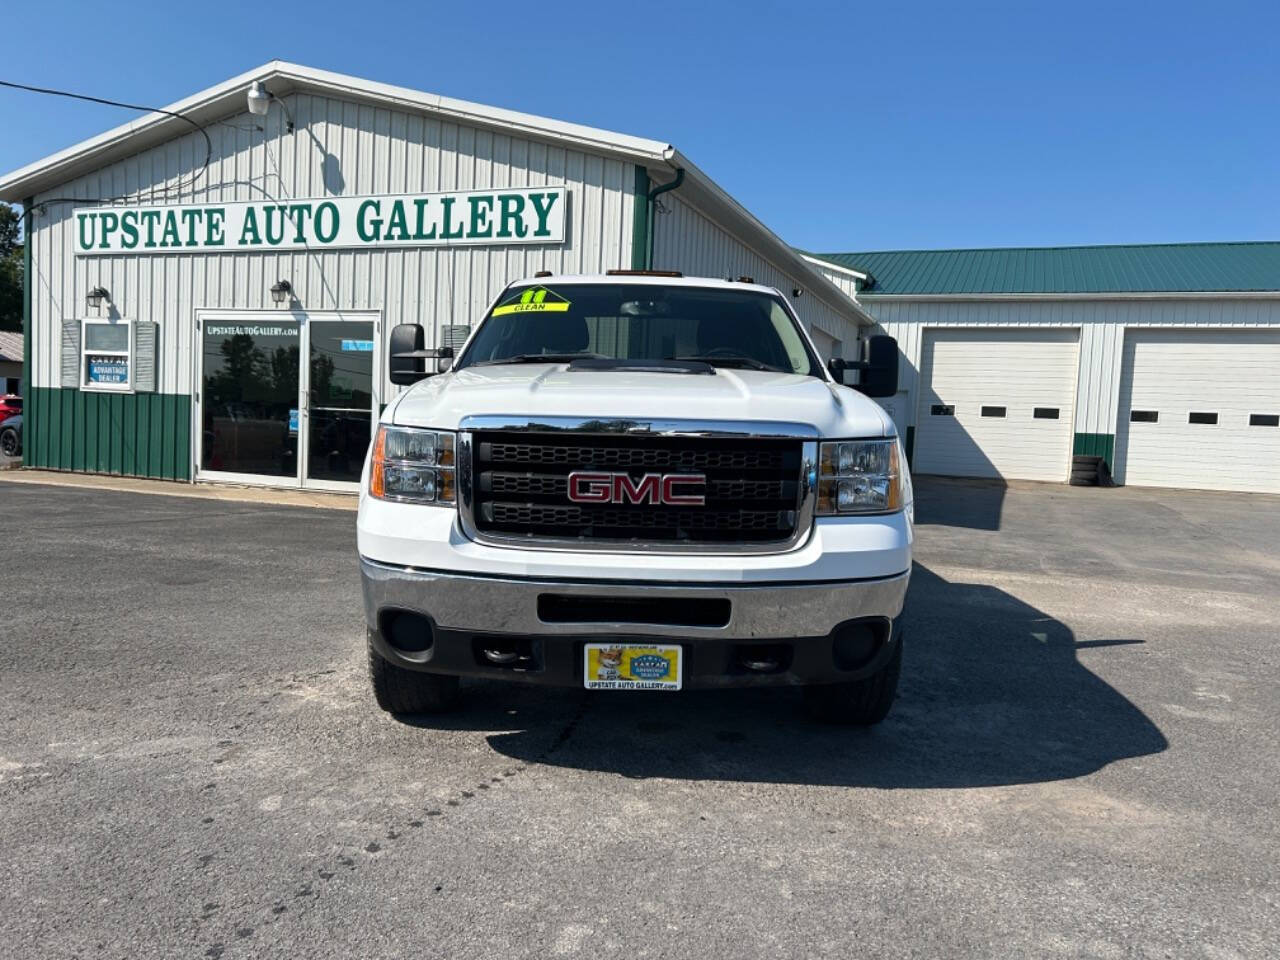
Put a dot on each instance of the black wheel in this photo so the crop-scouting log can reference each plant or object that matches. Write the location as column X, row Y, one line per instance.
column 859, row 703
column 1084, row 471
column 9, row 442
column 407, row 691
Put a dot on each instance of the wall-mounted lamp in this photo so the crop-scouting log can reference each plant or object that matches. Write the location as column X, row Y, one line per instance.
column 96, row 296
column 281, row 290
column 260, row 98
column 796, row 292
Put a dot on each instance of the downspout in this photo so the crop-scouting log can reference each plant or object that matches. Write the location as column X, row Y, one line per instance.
column 648, row 226
column 28, row 392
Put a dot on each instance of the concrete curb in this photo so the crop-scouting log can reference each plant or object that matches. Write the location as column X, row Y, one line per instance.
column 169, row 488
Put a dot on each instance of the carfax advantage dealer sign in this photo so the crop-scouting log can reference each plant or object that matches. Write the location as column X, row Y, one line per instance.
column 460, row 218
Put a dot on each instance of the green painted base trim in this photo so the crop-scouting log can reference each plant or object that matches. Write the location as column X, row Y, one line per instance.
column 640, row 220
column 910, row 444
column 1096, row 445
column 130, row 435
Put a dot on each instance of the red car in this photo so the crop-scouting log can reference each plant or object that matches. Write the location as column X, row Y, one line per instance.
column 10, row 406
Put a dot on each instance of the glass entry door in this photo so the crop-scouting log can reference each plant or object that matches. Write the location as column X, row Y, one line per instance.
column 250, row 379
column 266, row 416
column 339, row 411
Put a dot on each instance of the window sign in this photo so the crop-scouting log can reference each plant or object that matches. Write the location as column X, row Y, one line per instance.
column 106, row 369
column 107, row 356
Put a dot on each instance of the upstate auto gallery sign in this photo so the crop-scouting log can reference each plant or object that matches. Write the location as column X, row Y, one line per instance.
column 458, row 218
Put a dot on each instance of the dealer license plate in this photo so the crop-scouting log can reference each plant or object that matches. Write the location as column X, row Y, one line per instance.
column 632, row 666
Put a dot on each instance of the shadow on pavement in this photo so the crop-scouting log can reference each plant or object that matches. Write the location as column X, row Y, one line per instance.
column 992, row 693
column 956, row 502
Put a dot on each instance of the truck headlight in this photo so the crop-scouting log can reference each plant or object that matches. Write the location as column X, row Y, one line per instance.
column 413, row 466
column 859, row 476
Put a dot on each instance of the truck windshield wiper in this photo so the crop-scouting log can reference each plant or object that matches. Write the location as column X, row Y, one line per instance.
column 541, row 358
column 731, row 360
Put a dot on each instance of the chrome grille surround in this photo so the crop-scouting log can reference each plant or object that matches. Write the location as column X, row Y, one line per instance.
column 558, row 427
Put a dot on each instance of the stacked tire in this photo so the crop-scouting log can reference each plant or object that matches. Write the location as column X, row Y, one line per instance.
column 1089, row 471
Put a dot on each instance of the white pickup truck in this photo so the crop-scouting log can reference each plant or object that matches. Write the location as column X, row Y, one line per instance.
column 637, row 482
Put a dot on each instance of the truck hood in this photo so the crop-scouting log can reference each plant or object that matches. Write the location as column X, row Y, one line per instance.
column 552, row 390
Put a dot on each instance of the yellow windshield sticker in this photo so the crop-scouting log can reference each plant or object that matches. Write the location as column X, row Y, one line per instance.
column 533, row 299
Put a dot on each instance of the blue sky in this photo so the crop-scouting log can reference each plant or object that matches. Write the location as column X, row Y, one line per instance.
column 847, row 126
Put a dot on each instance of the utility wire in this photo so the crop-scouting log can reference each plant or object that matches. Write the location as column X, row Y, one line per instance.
column 165, row 190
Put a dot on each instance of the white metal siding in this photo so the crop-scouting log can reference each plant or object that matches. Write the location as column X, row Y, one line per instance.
column 827, row 345
column 339, row 147
column 686, row 240
column 963, row 371
column 841, row 279
column 1102, row 325
column 1173, row 373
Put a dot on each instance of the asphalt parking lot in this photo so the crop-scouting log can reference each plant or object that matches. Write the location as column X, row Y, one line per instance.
column 1083, row 760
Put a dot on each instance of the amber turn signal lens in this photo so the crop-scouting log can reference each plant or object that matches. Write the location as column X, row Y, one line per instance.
column 377, row 485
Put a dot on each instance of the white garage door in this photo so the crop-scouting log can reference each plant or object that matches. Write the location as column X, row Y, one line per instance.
column 997, row 403
column 827, row 345
column 1200, row 409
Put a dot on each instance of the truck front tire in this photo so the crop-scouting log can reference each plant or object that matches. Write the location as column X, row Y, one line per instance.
column 858, row 703
column 402, row 691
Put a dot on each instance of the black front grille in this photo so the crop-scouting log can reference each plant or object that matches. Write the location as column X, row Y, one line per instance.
column 520, row 487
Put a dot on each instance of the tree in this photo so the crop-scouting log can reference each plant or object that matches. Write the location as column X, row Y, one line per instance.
column 10, row 268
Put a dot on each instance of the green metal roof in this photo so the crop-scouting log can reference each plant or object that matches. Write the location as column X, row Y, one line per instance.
column 1146, row 268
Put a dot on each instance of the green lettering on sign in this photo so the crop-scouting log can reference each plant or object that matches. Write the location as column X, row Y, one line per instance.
column 511, row 207
column 397, row 227
column 481, row 209
column 447, row 203
column 330, row 210
column 249, row 234
column 542, row 204
column 170, row 237
column 369, row 229
column 213, row 236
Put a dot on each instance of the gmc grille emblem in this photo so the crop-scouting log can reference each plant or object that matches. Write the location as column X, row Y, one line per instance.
column 669, row 488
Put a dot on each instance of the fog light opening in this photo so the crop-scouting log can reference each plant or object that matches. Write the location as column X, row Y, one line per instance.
column 853, row 645
column 407, row 632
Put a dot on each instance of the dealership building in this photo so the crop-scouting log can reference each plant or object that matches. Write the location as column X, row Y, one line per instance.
column 210, row 288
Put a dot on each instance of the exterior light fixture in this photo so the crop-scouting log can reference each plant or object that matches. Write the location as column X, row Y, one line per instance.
column 281, row 290
column 259, row 99
column 97, row 295
column 796, row 292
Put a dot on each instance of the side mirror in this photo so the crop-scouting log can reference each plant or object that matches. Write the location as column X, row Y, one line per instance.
column 406, row 362
column 880, row 372
column 879, row 369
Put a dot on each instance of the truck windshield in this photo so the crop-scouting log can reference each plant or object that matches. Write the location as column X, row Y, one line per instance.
column 642, row 323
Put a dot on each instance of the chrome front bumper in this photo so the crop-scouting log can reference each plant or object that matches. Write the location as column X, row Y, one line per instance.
column 491, row 605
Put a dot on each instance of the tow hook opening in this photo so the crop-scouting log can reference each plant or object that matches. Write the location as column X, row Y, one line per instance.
column 509, row 653
column 763, row 657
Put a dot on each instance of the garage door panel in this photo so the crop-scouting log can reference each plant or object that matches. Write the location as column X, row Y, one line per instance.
column 1175, row 373
column 1019, row 370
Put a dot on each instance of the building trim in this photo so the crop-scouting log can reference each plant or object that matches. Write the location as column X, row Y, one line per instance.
column 835, row 267
column 26, row 300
